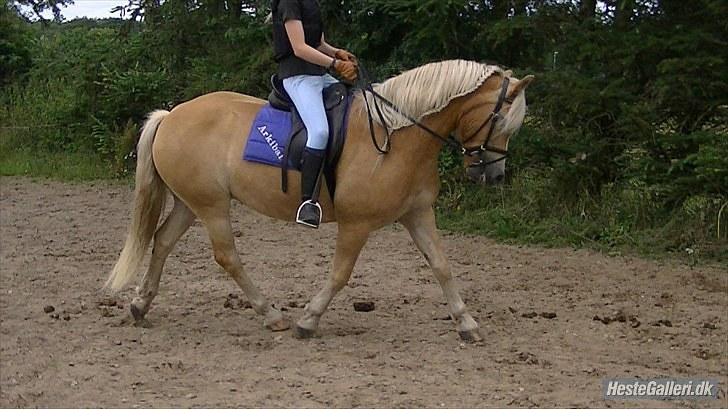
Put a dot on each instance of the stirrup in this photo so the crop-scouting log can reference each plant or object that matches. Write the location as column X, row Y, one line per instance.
column 309, row 222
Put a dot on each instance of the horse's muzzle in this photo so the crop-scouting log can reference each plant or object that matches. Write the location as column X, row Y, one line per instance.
column 486, row 176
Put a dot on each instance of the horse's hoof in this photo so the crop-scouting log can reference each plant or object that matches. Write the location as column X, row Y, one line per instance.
column 280, row 325
column 471, row 336
column 303, row 333
column 136, row 312
column 142, row 323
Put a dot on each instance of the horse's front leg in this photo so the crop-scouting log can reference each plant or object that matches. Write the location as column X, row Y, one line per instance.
column 422, row 227
column 349, row 243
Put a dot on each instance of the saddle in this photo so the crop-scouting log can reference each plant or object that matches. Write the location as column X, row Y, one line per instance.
column 336, row 101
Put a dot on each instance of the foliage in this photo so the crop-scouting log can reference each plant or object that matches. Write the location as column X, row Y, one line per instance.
column 14, row 51
column 626, row 142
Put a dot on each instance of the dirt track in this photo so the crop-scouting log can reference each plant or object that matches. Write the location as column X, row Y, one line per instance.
column 205, row 348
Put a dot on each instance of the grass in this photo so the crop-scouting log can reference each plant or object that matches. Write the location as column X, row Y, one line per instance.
column 64, row 166
column 622, row 220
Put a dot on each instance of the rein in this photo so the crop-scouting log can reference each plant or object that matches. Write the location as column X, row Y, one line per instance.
column 366, row 86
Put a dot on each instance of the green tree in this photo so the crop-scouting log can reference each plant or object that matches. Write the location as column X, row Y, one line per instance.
column 14, row 45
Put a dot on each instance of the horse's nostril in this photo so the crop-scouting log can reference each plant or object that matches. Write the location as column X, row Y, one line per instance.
column 499, row 178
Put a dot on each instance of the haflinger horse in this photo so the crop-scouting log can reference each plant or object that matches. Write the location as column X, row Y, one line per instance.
column 194, row 152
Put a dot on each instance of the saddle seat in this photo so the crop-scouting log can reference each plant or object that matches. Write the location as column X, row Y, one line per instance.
column 336, row 101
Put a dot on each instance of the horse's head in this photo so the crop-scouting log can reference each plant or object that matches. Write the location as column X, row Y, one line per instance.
column 486, row 123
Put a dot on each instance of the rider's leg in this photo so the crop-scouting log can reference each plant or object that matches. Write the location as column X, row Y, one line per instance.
column 329, row 80
column 306, row 92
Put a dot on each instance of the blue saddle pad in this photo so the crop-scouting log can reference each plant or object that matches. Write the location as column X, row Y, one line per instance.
column 269, row 137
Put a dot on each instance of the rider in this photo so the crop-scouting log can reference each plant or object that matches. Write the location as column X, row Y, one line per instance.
column 303, row 57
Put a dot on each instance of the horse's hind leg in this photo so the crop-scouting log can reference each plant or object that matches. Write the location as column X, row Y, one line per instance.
column 349, row 243
column 421, row 226
column 177, row 223
column 217, row 222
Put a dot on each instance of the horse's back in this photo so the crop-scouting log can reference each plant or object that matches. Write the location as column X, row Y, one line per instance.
column 215, row 106
column 224, row 98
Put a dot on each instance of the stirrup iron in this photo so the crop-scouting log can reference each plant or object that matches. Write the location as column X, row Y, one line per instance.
column 309, row 222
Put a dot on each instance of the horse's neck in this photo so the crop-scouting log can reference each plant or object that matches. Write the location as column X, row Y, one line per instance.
column 410, row 144
column 442, row 124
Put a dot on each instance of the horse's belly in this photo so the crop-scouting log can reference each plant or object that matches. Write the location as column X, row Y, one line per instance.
column 259, row 188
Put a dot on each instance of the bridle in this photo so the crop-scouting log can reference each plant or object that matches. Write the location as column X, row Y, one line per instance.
column 493, row 119
column 477, row 152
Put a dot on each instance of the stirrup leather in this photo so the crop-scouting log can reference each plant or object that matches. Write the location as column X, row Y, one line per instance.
column 307, row 222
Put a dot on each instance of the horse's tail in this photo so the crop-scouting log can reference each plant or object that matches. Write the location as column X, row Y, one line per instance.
column 150, row 194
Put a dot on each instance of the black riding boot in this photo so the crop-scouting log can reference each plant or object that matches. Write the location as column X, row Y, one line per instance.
column 309, row 212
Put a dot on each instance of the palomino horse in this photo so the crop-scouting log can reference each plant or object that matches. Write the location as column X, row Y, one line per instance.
column 195, row 152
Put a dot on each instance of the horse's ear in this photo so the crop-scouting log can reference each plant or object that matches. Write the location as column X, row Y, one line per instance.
column 521, row 86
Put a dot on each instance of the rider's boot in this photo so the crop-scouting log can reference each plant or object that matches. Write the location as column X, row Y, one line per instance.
column 309, row 212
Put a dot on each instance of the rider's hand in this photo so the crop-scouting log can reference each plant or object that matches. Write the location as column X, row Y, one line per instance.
column 347, row 70
column 346, row 56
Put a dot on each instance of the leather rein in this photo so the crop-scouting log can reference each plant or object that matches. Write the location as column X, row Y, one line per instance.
column 492, row 119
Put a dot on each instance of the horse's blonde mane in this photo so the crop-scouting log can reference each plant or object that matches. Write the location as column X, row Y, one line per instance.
column 429, row 89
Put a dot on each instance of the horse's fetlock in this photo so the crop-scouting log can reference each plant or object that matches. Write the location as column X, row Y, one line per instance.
column 340, row 284
column 458, row 310
column 467, row 323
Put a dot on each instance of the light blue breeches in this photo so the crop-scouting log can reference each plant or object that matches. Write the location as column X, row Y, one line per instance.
column 306, row 92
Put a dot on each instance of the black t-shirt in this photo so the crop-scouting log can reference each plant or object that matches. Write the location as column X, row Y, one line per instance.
column 309, row 13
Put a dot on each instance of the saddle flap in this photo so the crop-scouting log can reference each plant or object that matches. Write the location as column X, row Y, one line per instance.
column 334, row 96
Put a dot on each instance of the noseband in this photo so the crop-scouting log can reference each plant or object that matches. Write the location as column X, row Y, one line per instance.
column 493, row 119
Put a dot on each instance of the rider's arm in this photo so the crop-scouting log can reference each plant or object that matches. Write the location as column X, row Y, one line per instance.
column 327, row 48
column 294, row 29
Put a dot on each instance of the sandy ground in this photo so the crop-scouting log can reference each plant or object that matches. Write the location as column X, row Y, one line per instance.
column 545, row 315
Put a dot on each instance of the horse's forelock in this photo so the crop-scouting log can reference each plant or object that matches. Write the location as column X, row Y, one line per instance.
column 513, row 120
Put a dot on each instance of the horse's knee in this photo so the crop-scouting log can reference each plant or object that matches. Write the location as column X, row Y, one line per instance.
column 225, row 259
